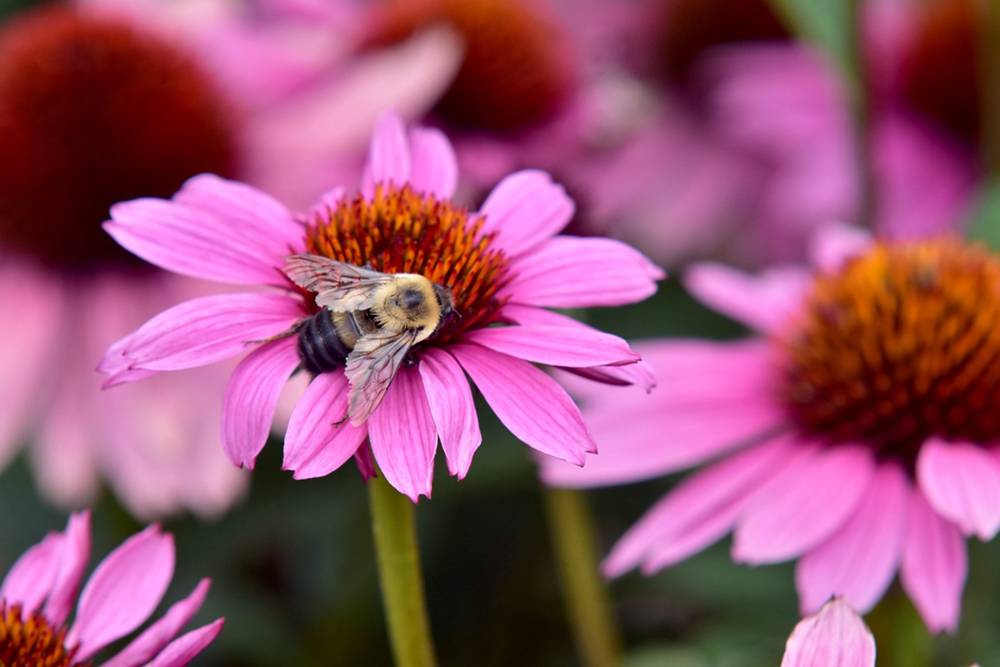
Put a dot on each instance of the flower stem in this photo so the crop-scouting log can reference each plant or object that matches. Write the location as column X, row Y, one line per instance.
column 399, row 573
column 900, row 635
column 588, row 603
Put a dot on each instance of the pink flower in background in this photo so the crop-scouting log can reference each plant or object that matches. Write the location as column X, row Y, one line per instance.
column 503, row 264
column 858, row 434
column 106, row 100
column 833, row 637
column 38, row 594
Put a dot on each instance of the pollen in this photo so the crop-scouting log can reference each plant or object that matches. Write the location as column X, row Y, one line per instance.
column 32, row 641
column 902, row 344
column 515, row 72
column 93, row 112
column 403, row 231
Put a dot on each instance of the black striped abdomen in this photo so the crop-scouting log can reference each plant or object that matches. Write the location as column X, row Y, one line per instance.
column 320, row 347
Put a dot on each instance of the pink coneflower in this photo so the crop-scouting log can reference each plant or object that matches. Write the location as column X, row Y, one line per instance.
column 99, row 104
column 858, row 436
column 37, row 597
column 502, row 264
column 833, row 637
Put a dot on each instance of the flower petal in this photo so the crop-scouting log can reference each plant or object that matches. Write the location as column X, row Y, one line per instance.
column 69, row 572
column 764, row 303
column 935, row 564
column 152, row 640
column 185, row 648
column 450, row 398
column 556, row 346
column 388, row 155
column 831, row 246
column 205, row 330
column 123, row 591
column 962, row 483
column 316, row 442
column 835, row 637
column 571, row 272
column 528, row 402
column 805, row 509
column 435, row 167
column 524, row 209
column 403, row 436
column 30, row 579
column 860, row 560
column 252, row 397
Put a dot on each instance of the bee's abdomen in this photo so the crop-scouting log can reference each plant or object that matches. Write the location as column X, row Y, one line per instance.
column 320, row 347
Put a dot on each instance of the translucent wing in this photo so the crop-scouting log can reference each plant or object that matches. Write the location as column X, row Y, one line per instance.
column 370, row 368
column 339, row 286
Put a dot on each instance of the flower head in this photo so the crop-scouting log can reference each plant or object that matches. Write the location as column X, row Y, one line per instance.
column 859, row 436
column 501, row 265
column 38, row 594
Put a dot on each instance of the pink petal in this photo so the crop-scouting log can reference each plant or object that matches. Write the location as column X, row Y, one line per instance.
column 805, row 509
column 699, row 511
column 30, row 579
column 252, row 397
column 366, row 462
column 206, row 330
column 388, row 155
column 764, row 302
column 860, row 560
column 403, row 436
column 934, row 567
column 525, row 209
column 833, row 245
column 835, row 637
column 962, row 483
column 450, row 398
column 185, row 648
column 531, row 404
column 556, row 346
column 316, row 443
column 123, row 591
column 571, row 272
column 206, row 241
column 69, row 573
column 152, row 640
column 435, row 167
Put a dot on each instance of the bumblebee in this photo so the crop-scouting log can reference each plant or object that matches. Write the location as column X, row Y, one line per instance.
column 367, row 323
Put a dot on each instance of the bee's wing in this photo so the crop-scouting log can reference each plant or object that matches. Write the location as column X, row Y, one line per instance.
column 339, row 286
column 370, row 367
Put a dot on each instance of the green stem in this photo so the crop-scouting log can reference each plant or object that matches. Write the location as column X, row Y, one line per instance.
column 588, row 602
column 399, row 572
column 900, row 634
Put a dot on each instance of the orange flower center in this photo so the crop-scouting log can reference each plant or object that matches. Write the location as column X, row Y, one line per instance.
column 403, row 231
column 514, row 73
column 32, row 642
column 901, row 345
column 91, row 113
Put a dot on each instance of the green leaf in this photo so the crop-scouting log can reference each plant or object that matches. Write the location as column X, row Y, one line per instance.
column 985, row 225
column 829, row 24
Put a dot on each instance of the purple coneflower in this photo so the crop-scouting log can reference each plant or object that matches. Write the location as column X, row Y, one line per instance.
column 37, row 597
column 502, row 265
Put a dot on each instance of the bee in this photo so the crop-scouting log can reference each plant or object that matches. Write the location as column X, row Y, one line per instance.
column 367, row 323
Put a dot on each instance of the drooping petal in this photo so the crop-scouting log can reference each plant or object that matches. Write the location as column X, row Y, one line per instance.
column 555, row 346
column 388, row 155
column 123, row 591
column 317, row 441
column 435, row 167
column 835, row 637
column 702, row 509
column 807, row 508
column 962, row 483
column 403, row 436
column 185, row 648
column 69, row 573
column 450, row 398
column 31, row 577
column 860, row 560
column 571, row 272
column 152, row 640
column 524, row 209
column 206, row 330
column 935, row 564
column 252, row 397
column 528, row 402
column 763, row 302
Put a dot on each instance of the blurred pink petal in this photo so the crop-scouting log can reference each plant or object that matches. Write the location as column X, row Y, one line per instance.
column 525, row 209
column 835, row 637
column 450, row 398
column 389, row 155
column 763, row 302
column 833, row 245
column 962, row 483
column 435, row 167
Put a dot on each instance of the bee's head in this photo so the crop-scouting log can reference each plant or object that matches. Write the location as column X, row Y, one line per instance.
column 447, row 304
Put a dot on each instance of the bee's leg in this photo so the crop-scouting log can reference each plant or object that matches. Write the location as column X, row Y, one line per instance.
column 293, row 331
